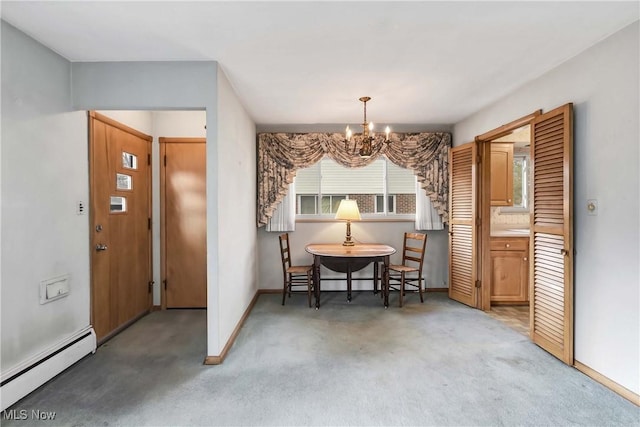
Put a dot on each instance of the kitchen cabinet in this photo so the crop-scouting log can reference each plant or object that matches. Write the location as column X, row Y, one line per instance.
column 502, row 174
column 509, row 270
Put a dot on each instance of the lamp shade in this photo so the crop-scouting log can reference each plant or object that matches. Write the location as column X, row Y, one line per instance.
column 348, row 209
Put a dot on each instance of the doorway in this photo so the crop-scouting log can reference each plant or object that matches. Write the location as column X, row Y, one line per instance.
column 510, row 216
column 120, row 221
column 550, row 239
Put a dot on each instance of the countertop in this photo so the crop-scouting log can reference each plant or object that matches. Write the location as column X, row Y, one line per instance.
column 509, row 231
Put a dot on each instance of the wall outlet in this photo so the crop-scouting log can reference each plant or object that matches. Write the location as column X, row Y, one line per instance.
column 54, row 288
column 80, row 208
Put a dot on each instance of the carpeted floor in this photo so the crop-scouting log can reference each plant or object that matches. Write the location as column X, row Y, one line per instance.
column 437, row 363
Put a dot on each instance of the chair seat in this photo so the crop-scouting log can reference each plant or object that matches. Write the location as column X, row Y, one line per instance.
column 412, row 261
column 299, row 269
column 402, row 268
column 293, row 275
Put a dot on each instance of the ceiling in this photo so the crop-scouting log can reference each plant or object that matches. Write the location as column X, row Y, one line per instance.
column 301, row 62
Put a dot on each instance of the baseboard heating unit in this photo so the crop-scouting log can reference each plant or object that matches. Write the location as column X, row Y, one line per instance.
column 21, row 380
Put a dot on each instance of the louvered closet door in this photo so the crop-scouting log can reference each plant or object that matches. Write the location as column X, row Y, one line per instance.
column 462, row 230
column 551, row 298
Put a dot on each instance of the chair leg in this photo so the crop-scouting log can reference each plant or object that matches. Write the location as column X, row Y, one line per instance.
column 309, row 288
column 420, row 289
column 284, row 291
column 401, row 287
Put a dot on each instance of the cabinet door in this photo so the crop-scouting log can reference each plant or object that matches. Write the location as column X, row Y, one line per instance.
column 509, row 276
column 501, row 174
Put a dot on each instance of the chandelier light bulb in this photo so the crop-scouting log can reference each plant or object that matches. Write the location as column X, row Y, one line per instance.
column 366, row 140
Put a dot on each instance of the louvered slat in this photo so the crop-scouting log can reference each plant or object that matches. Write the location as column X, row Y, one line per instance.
column 551, row 264
column 462, row 213
column 462, row 258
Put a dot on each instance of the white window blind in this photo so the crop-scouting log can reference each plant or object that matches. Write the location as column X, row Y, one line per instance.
column 308, row 179
column 400, row 180
column 337, row 179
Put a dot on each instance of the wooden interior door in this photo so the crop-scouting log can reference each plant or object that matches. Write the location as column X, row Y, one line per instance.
column 551, row 237
column 462, row 224
column 184, row 222
column 121, row 274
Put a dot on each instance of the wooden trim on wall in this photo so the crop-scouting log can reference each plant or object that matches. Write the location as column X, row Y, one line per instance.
column 163, row 237
column 118, row 125
column 165, row 140
column 610, row 384
column 508, row 127
column 217, row 360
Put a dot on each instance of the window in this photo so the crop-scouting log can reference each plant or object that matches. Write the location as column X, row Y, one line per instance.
column 321, row 187
column 520, row 182
column 307, row 204
column 391, row 203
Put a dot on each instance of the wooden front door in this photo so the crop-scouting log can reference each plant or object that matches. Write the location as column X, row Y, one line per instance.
column 120, row 174
column 462, row 226
column 184, row 222
column 551, row 237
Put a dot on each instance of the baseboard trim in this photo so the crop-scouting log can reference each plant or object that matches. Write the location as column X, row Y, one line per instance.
column 156, row 308
column 436, row 289
column 270, row 291
column 121, row 328
column 217, row 360
column 609, row 383
column 33, row 373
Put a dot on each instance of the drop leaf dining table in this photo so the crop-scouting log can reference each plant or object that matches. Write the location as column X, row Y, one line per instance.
column 347, row 259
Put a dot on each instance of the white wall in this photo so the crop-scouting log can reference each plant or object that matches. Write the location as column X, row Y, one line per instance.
column 237, row 210
column 436, row 261
column 602, row 82
column 44, row 174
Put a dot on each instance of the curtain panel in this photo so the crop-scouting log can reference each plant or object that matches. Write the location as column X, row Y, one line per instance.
column 280, row 155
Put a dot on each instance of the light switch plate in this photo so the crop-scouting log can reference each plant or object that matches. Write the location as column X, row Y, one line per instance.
column 592, row 207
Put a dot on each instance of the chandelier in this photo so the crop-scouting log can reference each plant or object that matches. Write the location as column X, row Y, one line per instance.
column 367, row 139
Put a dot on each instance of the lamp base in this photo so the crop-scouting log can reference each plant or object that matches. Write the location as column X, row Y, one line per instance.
column 348, row 243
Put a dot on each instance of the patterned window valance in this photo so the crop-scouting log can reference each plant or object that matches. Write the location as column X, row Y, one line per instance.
column 280, row 155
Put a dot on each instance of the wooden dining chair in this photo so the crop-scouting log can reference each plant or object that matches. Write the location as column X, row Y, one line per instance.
column 409, row 273
column 293, row 275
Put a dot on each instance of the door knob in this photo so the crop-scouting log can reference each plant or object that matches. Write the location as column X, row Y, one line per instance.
column 101, row 247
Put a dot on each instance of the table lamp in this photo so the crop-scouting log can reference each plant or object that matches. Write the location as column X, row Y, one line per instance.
column 348, row 210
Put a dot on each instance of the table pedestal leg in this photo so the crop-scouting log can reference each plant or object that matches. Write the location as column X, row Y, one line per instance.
column 348, row 282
